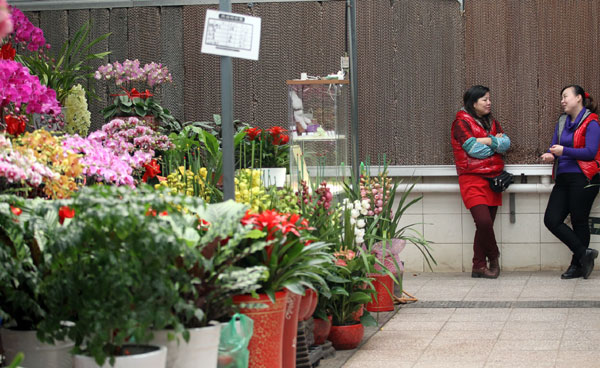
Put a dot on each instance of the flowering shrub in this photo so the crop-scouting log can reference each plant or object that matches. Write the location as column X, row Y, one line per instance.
column 6, row 24
column 292, row 258
column 130, row 71
column 21, row 168
column 18, row 87
column 264, row 148
column 187, row 182
column 77, row 116
column 249, row 190
column 25, row 32
column 119, row 151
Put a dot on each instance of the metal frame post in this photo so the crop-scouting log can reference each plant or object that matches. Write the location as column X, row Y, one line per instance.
column 351, row 17
column 227, row 118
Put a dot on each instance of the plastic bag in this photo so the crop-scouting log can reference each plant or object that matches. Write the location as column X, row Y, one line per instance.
column 233, row 346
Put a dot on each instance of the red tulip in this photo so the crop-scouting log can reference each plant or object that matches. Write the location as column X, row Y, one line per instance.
column 65, row 212
column 253, row 133
column 16, row 210
column 7, row 52
column 276, row 130
column 15, row 125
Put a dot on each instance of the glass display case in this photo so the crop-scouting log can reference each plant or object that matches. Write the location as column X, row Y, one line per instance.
column 318, row 124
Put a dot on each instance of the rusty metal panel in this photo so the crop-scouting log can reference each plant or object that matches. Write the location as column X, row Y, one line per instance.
column 144, row 33
column 100, row 25
column 118, row 40
column 56, row 27
column 171, row 55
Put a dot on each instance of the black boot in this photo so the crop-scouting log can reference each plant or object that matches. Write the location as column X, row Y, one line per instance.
column 587, row 262
column 573, row 272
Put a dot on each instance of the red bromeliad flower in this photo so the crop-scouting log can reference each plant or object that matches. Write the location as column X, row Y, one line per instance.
column 65, row 212
column 276, row 131
column 252, row 133
column 16, row 210
column 152, row 169
column 280, row 140
column 7, row 52
column 15, row 125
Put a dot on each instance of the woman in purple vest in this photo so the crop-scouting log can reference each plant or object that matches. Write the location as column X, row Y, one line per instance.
column 574, row 152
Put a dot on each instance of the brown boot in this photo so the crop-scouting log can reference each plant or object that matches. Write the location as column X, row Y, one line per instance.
column 483, row 272
column 495, row 267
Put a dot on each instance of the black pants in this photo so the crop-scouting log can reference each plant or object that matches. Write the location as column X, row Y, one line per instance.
column 571, row 195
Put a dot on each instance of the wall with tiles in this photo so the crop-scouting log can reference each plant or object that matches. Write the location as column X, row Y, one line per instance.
column 525, row 245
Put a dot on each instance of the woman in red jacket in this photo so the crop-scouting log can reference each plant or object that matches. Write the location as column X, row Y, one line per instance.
column 478, row 143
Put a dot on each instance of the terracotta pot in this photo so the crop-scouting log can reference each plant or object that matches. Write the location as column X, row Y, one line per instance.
column 383, row 300
column 321, row 330
column 314, row 302
column 290, row 330
column 266, row 349
column 305, row 304
column 346, row 337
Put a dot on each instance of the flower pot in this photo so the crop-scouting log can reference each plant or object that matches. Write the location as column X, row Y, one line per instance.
column 37, row 354
column 141, row 356
column 305, row 305
column 346, row 337
column 203, row 346
column 266, row 343
column 321, row 330
column 273, row 176
column 314, row 302
column 383, row 301
column 290, row 330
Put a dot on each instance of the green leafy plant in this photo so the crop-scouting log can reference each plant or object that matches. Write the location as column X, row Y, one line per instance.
column 26, row 227
column 126, row 105
column 114, row 271
column 70, row 66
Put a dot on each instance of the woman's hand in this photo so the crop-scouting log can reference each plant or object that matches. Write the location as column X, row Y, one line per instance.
column 547, row 157
column 499, row 135
column 487, row 141
column 557, row 150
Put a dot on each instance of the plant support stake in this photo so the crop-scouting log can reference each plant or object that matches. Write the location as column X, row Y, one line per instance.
column 227, row 118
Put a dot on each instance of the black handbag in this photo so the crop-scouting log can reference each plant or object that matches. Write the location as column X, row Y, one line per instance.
column 501, row 182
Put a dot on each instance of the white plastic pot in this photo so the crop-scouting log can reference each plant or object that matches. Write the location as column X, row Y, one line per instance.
column 156, row 358
column 202, row 350
column 37, row 354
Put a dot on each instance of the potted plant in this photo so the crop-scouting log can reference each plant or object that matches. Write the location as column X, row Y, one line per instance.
column 26, row 227
column 114, row 276
column 294, row 260
column 267, row 150
column 129, row 101
column 212, row 280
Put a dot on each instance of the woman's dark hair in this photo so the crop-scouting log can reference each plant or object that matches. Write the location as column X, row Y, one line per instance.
column 588, row 101
column 470, row 98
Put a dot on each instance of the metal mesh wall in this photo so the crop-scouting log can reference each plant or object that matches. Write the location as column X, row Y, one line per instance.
column 415, row 61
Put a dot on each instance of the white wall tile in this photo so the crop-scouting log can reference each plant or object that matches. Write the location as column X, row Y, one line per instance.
column 413, row 259
column 545, row 235
column 524, row 203
column 526, row 228
column 443, row 228
column 520, row 256
column 544, row 202
column 414, row 221
column 442, row 203
column 468, row 228
column 555, row 256
column 448, row 257
column 415, row 208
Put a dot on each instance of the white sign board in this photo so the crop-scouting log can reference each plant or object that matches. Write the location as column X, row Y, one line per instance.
column 230, row 34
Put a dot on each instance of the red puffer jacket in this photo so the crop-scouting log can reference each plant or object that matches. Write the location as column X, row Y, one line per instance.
column 465, row 164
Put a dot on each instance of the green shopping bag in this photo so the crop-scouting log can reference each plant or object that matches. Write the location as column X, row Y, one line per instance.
column 233, row 346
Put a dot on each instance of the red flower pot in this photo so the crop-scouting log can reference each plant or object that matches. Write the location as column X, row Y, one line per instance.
column 290, row 330
column 321, row 330
column 305, row 304
column 346, row 337
column 383, row 300
column 314, row 302
column 266, row 344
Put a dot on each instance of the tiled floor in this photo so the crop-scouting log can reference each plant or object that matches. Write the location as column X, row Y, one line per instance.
column 522, row 319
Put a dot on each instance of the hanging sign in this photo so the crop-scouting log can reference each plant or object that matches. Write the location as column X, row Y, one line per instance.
column 231, row 34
